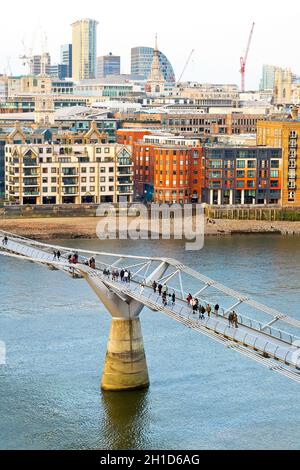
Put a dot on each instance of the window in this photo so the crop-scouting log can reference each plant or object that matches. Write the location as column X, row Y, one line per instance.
column 241, row 164
column 274, row 163
column 274, row 173
column 251, row 164
column 240, row 174
column 251, row 174
column 250, row 184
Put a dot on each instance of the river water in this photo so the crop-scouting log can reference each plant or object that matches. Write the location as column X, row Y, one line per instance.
column 202, row 396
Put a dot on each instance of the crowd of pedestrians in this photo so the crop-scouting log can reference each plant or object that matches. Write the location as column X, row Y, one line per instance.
column 124, row 275
column 168, row 298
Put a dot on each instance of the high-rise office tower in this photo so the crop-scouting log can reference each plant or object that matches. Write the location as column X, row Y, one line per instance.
column 40, row 64
column 108, row 65
column 66, row 58
column 267, row 81
column 84, row 49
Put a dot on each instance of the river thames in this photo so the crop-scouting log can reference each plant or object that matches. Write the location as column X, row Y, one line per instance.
column 202, row 396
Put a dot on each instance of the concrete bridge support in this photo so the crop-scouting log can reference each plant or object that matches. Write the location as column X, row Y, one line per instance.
column 125, row 365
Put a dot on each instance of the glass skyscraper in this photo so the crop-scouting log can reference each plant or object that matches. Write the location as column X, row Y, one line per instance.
column 66, row 58
column 108, row 65
column 84, row 53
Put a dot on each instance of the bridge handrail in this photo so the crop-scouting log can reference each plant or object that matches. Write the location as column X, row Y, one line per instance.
column 30, row 244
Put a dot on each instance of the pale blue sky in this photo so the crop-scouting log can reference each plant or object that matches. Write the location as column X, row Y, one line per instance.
column 217, row 30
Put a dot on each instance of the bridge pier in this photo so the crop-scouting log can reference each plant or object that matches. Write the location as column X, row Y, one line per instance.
column 125, row 365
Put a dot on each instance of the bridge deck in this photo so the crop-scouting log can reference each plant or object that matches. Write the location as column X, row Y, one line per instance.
column 280, row 354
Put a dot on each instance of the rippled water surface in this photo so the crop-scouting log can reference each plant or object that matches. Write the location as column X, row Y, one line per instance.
column 202, row 396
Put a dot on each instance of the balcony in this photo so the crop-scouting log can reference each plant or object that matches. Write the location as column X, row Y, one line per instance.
column 70, row 182
column 125, row 190
column 125, row 181
column 69, row 172
column 293, row 145
column 29, row 174
column 70, row 191
column 32, row 182
column 124, row 172
column 31, row 193
column 30, row 163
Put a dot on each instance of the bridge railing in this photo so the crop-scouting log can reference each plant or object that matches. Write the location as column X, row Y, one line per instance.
column 262, row 328
column 47, row 255
column 242, row 320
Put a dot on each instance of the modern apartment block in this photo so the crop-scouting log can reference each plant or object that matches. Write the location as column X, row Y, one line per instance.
column 108, row 65
column 241, row 175
column 285, row 135
column 84, row 49
column 75, row 169
column 174, row 169
column 167, row 168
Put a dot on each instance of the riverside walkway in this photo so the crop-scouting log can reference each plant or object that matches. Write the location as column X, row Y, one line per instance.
column 261, row 342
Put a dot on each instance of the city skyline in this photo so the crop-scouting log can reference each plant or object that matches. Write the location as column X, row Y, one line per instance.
column 273, row 41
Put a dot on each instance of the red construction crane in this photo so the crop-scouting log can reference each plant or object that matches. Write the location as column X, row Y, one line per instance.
column 244, row 59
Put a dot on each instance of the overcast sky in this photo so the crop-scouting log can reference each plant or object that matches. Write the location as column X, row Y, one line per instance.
column 218, row 30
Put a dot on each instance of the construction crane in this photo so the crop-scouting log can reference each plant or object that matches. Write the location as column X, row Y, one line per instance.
column 186, row 65
column 27, row 57
column 244, row 59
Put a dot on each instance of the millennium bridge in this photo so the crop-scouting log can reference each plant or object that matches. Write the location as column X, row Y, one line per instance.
column 125, row 365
